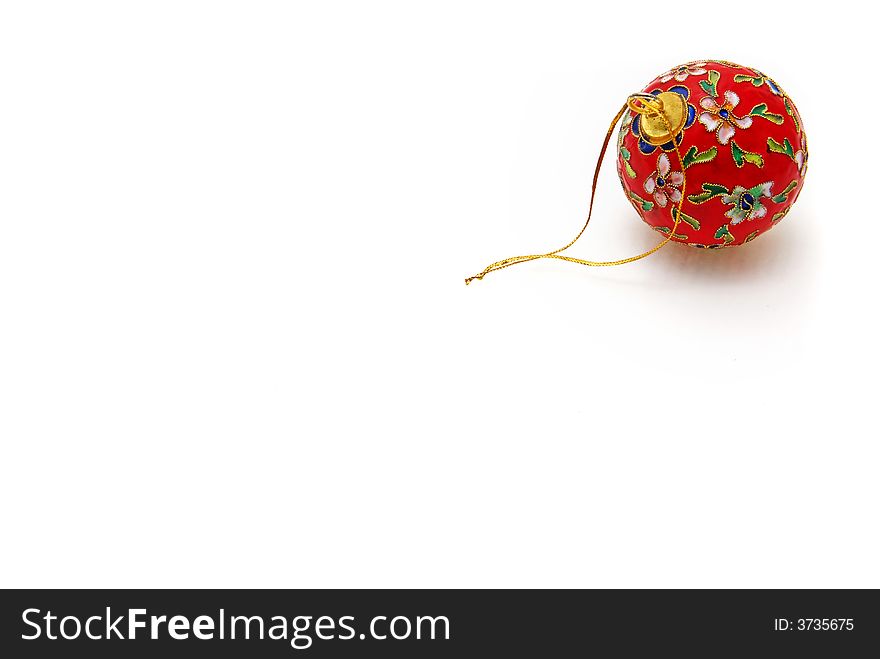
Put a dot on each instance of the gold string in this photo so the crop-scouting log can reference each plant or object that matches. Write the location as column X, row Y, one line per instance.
column 641, row 103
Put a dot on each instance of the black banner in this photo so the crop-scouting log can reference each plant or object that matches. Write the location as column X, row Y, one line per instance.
column 438, row 623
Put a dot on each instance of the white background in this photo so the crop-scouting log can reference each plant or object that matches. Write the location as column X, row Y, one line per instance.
column 236, row 348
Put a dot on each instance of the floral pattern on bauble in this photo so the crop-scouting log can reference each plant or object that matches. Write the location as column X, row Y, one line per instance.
column 721, row 118
column 746, row 202
column 663, row 183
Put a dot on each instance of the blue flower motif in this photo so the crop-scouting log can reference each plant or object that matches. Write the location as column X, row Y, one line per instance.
column 647, row 148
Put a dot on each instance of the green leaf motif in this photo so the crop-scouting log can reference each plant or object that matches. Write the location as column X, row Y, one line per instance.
column 724, row 234
column 785, row 147
column 710, row 191
column 666, row 230
column 710, row 86
column 760, row 110
column 694, row 222
column 757, row 81
column 783, row 196
column 646, row 205
column 624, row 152
column 694, row 156
column 751, row 237
column 741, row 156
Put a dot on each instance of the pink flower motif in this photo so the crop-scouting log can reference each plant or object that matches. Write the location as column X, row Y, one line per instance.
column 721, row 119
column 664, row 184
column 800, row 156
column 681, row 73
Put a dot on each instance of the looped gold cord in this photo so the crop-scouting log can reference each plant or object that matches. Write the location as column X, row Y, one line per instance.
column 644, row 103
column 640, row 103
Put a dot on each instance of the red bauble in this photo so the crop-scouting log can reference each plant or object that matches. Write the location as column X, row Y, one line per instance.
column 744, row 151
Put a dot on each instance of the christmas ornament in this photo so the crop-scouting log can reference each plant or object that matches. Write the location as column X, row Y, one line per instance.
column 710, row 154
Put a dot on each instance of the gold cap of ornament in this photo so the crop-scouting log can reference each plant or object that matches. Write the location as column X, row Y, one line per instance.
column 653, row 128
